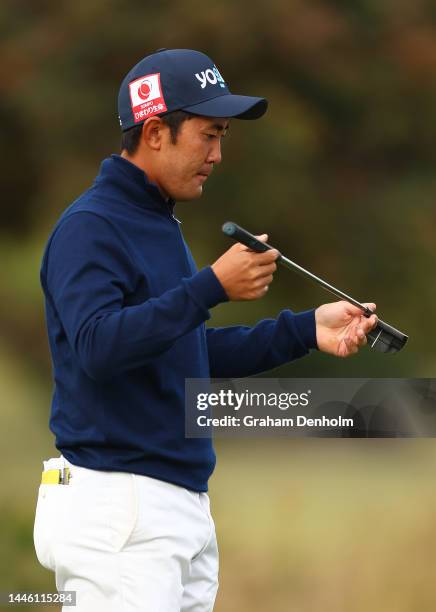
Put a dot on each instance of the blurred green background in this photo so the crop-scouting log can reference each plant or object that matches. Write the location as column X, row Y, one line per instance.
column 340, row 173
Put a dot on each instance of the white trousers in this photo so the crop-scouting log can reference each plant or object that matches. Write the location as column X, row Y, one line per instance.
column 127, row 543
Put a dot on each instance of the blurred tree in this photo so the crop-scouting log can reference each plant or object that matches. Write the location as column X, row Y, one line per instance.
column 339, row 172
column 20, row 175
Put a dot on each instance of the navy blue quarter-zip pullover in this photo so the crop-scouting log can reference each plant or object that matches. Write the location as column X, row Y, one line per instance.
column 126, row 311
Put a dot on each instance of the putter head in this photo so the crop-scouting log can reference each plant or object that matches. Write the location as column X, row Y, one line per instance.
column 386, row 339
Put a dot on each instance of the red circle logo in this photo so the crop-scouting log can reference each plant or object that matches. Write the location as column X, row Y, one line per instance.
column 144, row 90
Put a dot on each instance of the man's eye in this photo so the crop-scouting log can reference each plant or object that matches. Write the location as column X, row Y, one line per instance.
column 213, row 136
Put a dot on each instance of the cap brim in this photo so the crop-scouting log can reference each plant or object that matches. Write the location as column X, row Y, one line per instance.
column 229, row 105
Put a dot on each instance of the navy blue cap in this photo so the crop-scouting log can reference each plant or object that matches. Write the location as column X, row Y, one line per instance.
column 180, row 79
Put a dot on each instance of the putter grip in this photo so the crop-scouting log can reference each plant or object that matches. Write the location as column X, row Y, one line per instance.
column 241, row 235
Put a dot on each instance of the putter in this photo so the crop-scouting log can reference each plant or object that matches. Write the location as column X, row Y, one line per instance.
column 383, row 338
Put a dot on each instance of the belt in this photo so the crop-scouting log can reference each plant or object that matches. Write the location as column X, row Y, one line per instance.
column 57, row 477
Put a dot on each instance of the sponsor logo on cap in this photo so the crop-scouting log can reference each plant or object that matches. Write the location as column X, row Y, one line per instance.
column 210, row 75
column 146, row 97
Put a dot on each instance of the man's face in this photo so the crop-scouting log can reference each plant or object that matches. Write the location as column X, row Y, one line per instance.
column 184, row 167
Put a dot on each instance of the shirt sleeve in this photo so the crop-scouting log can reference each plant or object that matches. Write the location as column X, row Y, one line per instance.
column 87, row 275
column 239, row 351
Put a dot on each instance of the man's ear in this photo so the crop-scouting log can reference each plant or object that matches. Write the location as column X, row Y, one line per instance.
column 152, row 133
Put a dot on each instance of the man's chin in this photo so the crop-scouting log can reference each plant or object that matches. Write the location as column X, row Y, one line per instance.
column 195, row 194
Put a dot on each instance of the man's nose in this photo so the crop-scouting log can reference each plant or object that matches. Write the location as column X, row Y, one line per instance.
column 215, row 152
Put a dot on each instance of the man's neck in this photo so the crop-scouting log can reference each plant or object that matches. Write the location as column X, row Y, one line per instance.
column 137, row 161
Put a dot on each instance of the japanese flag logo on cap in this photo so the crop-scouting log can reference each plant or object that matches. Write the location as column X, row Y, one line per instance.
column 146, row 97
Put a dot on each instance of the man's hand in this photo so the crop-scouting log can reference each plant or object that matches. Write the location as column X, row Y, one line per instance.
column 245, row 274
column 341, row 328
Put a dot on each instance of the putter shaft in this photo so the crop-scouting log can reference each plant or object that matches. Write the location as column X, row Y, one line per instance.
column 319, row 281
column 383, row 337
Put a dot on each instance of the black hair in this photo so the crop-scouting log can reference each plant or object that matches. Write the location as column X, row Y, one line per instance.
column 130, row 138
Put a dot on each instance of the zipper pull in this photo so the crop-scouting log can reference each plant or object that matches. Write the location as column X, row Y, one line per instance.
column 175, row 219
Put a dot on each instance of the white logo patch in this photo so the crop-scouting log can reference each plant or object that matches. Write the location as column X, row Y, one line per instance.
column 146, row 97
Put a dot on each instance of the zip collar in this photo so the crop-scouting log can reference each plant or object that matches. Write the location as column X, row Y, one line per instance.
column 119, row 173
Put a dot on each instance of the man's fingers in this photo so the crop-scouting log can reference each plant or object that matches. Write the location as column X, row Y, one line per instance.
column 370, row 305
column 367, row 324
column 262, row 281
column 259, row 292
column 266, row 258
column 267, row 269
column 358, row 335
column 265, row 280
column 262, row 258
column 361, row 339
column 238, row 246
column 244, row 273
column 354, row 310
column 352, row 347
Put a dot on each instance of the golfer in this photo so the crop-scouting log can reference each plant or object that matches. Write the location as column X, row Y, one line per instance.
column 123, row 515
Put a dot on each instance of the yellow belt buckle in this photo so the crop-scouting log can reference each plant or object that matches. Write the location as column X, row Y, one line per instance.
column 60, row 476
